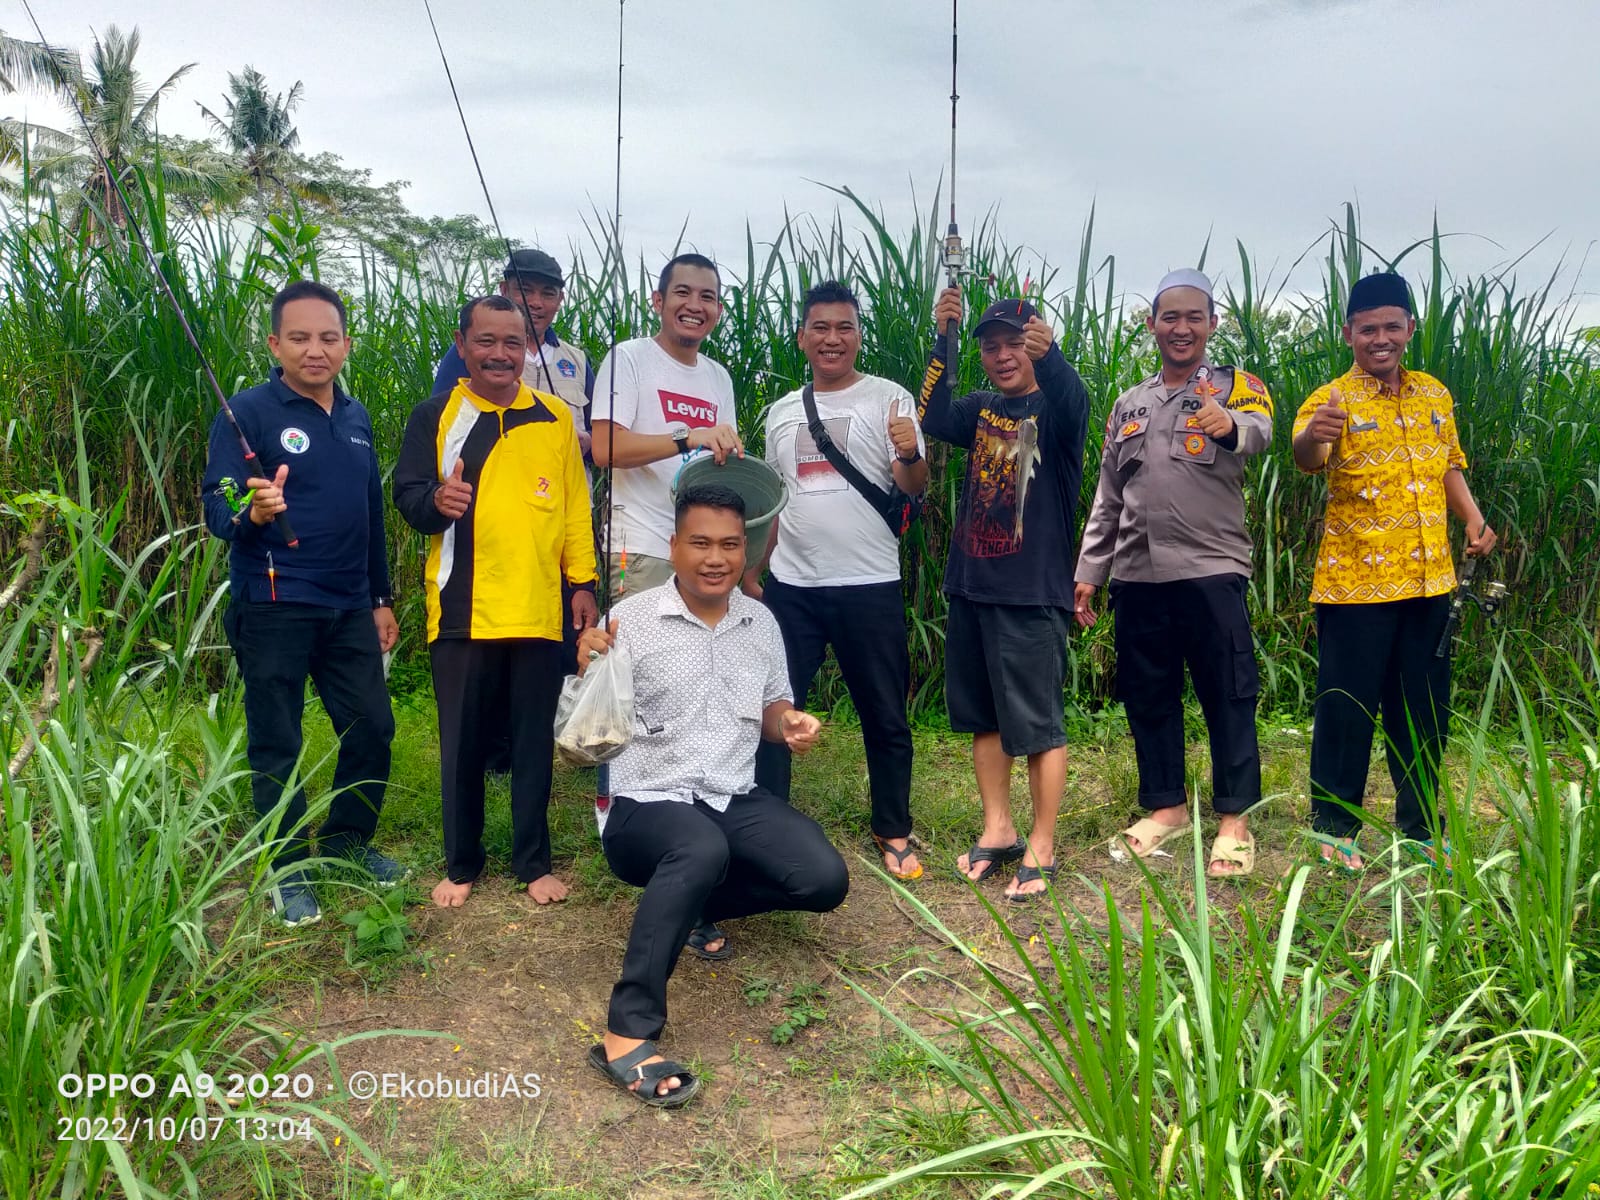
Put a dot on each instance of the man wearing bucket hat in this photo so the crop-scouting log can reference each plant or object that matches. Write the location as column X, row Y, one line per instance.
column 846, row 445
column 687, row 821
column 670, row 400
column 1168, row 531
column 492, row 473
column 1385, row 439
column 1010, row 599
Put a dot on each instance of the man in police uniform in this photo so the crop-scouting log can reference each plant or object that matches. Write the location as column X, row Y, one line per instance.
column 1167, row 530
column 1385, row 439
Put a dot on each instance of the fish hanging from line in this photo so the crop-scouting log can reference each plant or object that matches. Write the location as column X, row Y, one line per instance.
column 1027, row 462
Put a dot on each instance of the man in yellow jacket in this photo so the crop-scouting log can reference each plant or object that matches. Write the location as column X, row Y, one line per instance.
column 492, row 471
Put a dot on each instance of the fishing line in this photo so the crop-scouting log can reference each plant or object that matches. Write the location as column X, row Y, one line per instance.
column 281, row 520
column 516, row 272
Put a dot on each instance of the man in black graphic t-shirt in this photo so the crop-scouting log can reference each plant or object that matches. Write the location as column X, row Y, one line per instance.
column 1009, row 587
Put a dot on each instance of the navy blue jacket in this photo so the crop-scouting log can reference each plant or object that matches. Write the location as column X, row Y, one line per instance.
column 334, row 493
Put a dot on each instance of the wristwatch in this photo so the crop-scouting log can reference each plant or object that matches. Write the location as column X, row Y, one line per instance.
column 679, row 432
column 383, row 602
column 916, row 457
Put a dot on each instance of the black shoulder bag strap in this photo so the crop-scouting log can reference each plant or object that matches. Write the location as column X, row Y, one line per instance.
column 896, row 507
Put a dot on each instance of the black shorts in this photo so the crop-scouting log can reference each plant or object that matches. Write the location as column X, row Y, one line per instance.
column 1004, row 669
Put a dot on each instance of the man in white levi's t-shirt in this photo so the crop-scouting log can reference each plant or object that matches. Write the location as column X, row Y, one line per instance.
column 670, row 401
column 835, row 563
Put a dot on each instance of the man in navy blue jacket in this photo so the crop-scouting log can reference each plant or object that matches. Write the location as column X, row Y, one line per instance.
column 321, row 609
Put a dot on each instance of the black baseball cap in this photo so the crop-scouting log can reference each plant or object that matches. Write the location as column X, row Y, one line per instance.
column 529, row 263
column 1013, row 312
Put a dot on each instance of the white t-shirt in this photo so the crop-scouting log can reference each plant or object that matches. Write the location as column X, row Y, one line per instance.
column 655, row 390
column 828, row 535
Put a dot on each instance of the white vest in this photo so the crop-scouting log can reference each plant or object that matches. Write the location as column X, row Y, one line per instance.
column 562, row 371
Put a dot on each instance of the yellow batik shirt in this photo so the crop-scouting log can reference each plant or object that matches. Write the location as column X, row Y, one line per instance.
column 1386, row 532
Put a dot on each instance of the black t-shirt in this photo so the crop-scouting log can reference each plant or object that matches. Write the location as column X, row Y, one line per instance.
column 1003, row 551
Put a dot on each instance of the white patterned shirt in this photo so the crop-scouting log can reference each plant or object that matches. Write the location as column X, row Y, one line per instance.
column 699, row 692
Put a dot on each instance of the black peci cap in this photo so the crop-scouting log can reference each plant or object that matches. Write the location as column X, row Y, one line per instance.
column 1382, row 289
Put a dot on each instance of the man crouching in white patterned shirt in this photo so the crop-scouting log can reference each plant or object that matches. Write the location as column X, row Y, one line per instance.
column 686, row 821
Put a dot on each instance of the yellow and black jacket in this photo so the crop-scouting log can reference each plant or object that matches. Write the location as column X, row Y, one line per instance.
column 497, row 571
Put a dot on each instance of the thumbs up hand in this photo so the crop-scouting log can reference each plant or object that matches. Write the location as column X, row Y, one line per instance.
column 267, row 501
column 1213, row 420
column 1328, row 422
column 454, row 494
column 902, row 432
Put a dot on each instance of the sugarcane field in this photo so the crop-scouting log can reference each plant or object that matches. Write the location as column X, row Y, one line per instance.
column 799, row 603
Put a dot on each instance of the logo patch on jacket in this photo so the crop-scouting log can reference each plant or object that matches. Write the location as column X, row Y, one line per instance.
column 543, row 490
column 568, row 368
column 1131, row 428
column 1194, row 444
column 294, row 440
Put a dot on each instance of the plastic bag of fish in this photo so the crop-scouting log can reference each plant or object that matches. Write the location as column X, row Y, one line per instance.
column 594, row 717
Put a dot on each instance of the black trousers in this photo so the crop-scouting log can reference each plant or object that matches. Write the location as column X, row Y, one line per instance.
column 866, row 625
column 696, row 864
column 479, row 685
column 500, row 745
column 1204, row 623
column 278, row 647
column 1372, row 658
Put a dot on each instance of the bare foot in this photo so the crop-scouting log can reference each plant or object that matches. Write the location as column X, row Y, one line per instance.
column 1000, row 839
column 547, row 888
column 617, row 1046
column 451, row 895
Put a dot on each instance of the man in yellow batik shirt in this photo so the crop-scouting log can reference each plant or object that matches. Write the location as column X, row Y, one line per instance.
column 1385, row 439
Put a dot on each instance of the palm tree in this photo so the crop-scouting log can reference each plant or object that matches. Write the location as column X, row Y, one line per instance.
column 119, row 111
column 258, row 128
column 32, row 64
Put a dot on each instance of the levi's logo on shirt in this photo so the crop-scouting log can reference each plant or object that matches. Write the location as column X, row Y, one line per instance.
column 691, row 410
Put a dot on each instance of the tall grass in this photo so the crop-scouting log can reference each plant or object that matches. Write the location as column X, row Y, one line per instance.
column 1418, row 1035
column 81, row 326
column 126, row 943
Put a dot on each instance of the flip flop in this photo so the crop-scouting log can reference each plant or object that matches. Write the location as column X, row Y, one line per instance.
column 1227, row 849
column 993, row 858
column 623, row 1071
column 900, row 857
column 1027, row 874
column 705, row 933
column 1151, row 834
column 1424, row 849
column 1345, row 849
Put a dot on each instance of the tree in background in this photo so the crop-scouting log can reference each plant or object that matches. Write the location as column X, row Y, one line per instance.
column 120, row 110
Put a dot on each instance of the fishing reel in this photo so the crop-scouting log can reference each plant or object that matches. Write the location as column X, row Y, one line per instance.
column 1487, row 597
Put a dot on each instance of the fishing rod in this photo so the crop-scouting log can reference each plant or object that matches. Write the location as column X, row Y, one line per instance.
column 516, row 271
column 616, row 321
column 252, row 463
column 955, row 254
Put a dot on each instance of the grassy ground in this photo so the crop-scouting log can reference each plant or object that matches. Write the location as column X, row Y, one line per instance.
column 806, row 1085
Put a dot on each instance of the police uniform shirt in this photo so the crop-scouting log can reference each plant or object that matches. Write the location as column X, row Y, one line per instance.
column 1170, row 500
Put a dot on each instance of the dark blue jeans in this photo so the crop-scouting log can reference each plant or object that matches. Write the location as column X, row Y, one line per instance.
column 279, row 646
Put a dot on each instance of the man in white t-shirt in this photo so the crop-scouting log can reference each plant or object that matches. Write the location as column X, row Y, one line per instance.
column 835, row 561
column 670, row 400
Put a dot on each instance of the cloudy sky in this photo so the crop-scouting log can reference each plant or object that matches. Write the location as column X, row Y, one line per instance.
column 1247, row 120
